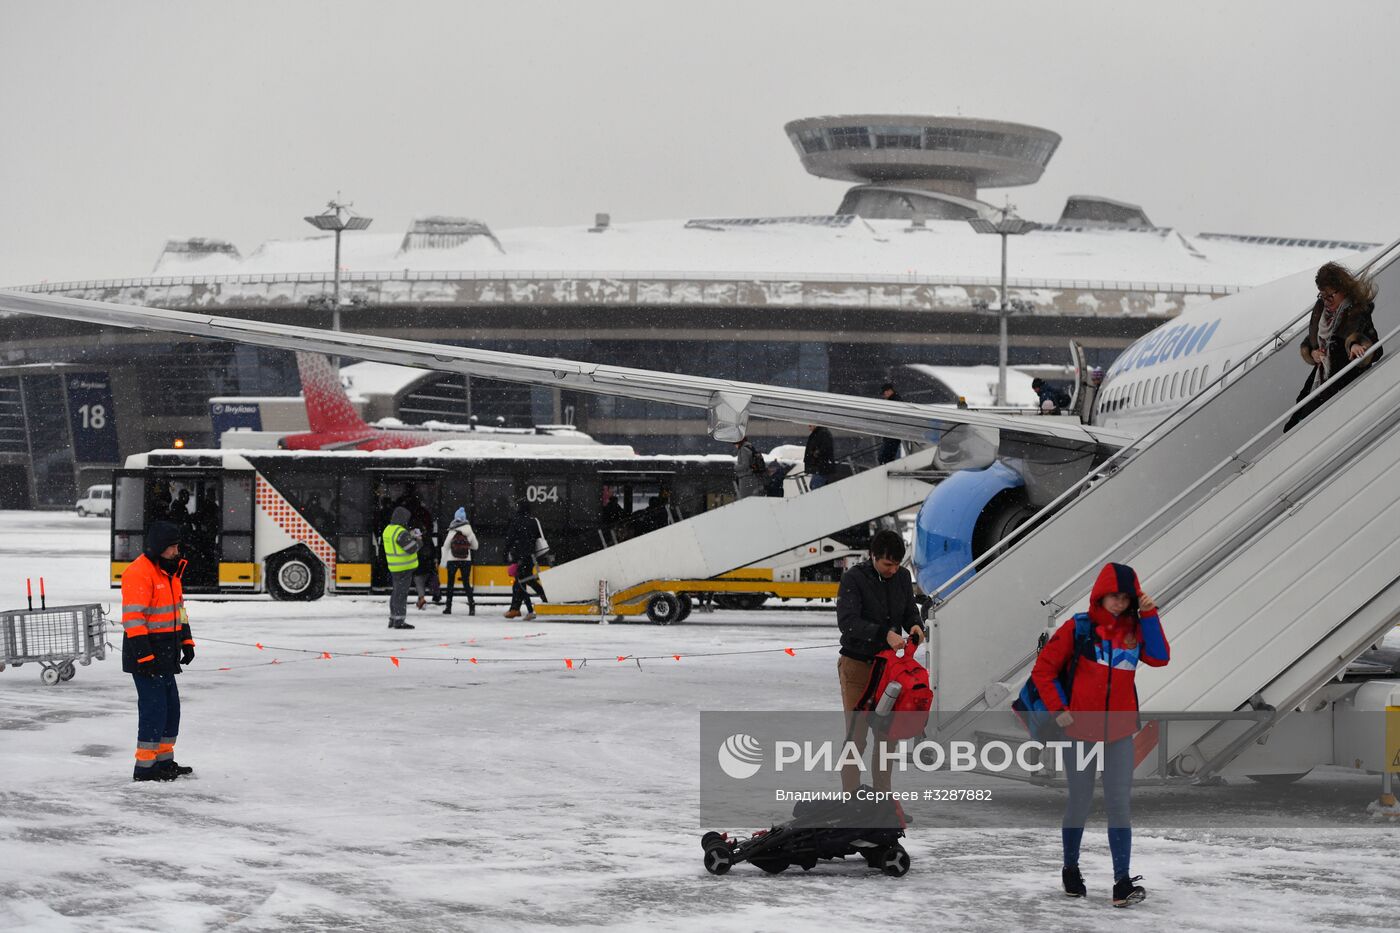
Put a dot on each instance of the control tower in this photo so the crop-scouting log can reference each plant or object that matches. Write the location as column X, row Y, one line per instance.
column 913, row 167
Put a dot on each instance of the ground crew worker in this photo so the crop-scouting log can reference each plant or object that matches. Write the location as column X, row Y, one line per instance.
column 155, row 642
column 401, row 548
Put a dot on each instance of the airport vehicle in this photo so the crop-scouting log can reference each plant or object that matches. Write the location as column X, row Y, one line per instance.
column 300, row 524
column 96, row 501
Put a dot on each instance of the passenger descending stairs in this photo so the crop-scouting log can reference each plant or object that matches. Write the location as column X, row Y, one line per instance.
column 1276, row 558
column 741, row 533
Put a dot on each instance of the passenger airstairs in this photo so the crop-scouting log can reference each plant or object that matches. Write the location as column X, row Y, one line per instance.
column 739, row 534
column 1276, row 558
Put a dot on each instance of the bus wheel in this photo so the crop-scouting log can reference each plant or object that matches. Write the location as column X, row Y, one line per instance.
column 663, row 608
column 687, row 604
column 295, row 575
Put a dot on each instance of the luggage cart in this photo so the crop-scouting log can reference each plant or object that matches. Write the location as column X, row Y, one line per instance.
column 53, row 638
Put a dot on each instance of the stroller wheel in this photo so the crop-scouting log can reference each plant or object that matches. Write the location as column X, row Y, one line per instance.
column 773, row 866
column 718, row 858
column 710, row 839
column 896, row 862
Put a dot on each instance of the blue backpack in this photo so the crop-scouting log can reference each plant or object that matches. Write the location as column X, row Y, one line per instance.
column 1029, row 706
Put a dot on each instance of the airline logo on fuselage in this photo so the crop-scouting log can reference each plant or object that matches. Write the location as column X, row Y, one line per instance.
column 1165, row 343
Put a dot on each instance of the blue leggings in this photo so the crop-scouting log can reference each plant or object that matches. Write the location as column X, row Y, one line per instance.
column 1117, row 797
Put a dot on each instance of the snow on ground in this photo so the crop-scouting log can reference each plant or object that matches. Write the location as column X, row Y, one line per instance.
column 352, row 795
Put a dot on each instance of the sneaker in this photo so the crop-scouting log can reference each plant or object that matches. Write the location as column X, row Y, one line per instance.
column 421, row 603
column 529, row 616
column 1126, row 891
column 447, row 611
column 154, row 774
column 175, row 767
column 401, row 625
column 1073, row 882
column 471, row 611
column 512, row 613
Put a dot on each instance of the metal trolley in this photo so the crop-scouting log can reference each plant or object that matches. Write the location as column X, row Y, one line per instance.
column 53, row 638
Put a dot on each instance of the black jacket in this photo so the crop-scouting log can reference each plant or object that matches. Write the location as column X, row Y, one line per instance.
column 520, row 538
column 869, row 607
column 820, row 453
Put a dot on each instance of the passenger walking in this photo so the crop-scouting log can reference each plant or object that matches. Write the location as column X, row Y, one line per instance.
column 1339, row 331
column 750, row 472
column 1052, row 400
column 156, row 641
column 819, row 457
column 874, row 608
column 401, row 547
column 422, row 521
column 458, row 544
column 890, row 447
column 523, row 538
column 1123, row 629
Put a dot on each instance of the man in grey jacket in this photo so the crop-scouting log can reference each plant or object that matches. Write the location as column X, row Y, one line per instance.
column 749, row 470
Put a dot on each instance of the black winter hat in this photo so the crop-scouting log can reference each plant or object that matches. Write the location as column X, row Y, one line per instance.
column 160, row 536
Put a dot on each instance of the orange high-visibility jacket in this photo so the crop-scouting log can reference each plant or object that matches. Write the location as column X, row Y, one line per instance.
column 153, row 619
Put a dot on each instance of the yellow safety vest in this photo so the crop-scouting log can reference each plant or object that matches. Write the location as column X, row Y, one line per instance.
column 397, row 558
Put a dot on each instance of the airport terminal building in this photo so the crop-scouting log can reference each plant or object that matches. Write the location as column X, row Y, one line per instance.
column 895, row 277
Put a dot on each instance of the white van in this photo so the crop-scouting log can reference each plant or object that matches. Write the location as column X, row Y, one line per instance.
column 98, row 501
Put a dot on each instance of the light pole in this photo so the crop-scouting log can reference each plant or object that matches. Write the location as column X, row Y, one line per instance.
column 338, row 217
column 1009, row 225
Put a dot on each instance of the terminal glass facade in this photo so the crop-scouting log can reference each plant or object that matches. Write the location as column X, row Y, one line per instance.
column 1020, row 146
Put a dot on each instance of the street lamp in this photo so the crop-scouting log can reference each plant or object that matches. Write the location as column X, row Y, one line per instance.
column 338, row 217
column 1009, row 225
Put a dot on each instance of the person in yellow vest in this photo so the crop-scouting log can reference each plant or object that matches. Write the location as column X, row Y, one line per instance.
column 401, row 548
column 156, row 641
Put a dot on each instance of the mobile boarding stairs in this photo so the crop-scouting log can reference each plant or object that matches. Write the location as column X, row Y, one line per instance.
column 1275, row 560
column 706, row 552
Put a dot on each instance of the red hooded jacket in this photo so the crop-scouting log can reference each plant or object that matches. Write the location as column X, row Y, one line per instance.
column 1103, row 683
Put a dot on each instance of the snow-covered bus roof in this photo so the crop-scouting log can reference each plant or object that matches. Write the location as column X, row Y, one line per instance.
column 465, row 450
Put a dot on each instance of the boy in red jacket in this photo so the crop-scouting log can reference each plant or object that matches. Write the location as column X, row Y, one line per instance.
column 1124, row 630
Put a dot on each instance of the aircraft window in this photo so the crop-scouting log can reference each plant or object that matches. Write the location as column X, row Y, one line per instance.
column 1205, row 375
column 1137, row 393
column 1195, row 380
column 1176, row 378
column 1156, row 389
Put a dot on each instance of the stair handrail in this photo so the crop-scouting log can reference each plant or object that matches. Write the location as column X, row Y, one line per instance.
column 1276, row 340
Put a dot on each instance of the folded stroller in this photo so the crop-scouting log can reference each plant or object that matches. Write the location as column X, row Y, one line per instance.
column 819, row 830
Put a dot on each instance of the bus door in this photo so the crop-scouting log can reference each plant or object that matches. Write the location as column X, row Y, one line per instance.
column 415, row 490
column 128, row 520
column 193, row 501
column 636, row 503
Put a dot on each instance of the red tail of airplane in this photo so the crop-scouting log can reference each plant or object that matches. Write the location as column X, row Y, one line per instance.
column 333, row 421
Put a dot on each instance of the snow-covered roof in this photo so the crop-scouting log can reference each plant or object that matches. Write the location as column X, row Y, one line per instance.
column 370, row 378
column 978, row 384
column 800, row 250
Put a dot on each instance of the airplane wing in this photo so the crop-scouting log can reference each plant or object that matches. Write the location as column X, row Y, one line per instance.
column 729, row 403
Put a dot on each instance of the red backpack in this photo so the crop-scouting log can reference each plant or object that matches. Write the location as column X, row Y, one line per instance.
column 915, row 695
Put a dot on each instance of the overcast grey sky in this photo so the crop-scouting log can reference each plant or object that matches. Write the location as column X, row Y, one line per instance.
column 127, row 123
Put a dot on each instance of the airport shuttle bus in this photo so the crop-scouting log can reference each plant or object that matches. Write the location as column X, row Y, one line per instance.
column 298, row 524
